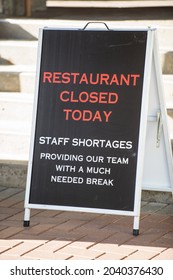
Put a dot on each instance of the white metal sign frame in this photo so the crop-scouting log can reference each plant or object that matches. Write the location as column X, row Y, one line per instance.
column 158, row 164
column 141, row 145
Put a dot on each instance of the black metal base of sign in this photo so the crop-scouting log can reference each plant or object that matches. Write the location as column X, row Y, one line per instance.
column 26, row 223
column 136, row 232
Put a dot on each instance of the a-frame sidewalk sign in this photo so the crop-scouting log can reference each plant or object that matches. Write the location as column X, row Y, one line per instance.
column 99, row 133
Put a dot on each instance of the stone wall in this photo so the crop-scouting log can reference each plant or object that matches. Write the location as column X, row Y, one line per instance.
column 13, row 7
column 18, row 7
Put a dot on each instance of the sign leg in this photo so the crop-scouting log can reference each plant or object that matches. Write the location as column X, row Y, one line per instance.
column 26, row 221
column 136, row 226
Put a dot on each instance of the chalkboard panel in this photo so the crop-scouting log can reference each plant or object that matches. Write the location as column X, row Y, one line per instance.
column 88, row 118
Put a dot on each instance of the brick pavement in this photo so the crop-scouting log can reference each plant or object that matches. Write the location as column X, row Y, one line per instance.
column 59, row 235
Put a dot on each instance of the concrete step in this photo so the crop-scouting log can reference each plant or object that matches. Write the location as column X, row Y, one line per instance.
column 14, row 140
column 165, row 36
column 166, row 60
column 25, row 53
column 25, row 95
column 15, row 143
column 13, row 29
column 16, row 106
column 28, row 30
column 168, row 90
column 15, row 124
column 109, row 4
column 18, row 37
column 18, row 52
column 21, row 77
column 170, row 124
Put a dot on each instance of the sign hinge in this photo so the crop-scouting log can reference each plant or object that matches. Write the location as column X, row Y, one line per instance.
column 159, row 128
column 157, row 118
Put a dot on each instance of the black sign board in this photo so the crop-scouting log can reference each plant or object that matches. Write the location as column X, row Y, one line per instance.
column 87, row 124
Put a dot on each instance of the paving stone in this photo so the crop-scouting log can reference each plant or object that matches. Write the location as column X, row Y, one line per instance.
column 93, row 234
column 2, row 227
column 7, row 257
column 78, row 215
column 39, row 228
column 40, row 255
column 23, row 248
column 79, row 252
column 118, row 238
column 17, row 217
column 141, row 255
column 167, row 210
column 113, row 249
column 78, row 258
column 153, row 207
column 4, row 216
column 109, row 256
column 54, row 245
column 70, row 225
column 53, row 233
column 7, row 243
column 8, row 192
column 82, row 244
column 166, row 255
column 163, row 241
column 13, row 223
column 11, row 211
column 9, row 232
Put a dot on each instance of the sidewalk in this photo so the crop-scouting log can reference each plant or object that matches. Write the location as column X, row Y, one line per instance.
column 58, row 235
column 61, row 235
